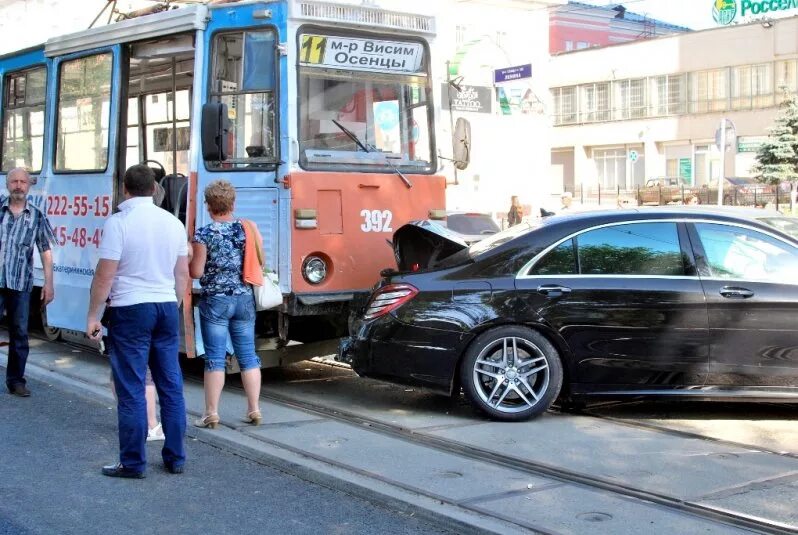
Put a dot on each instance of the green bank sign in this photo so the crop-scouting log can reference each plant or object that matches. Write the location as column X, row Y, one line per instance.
column 725, row 11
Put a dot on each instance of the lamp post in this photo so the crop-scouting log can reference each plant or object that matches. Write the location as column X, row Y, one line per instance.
column 725, row 135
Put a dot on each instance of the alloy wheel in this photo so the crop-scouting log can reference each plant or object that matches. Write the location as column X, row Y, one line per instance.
column 511, row 375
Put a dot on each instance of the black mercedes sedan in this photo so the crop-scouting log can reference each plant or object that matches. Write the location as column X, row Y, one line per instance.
column 678, row 302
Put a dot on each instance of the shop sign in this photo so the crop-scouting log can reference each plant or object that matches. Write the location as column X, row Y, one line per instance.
column 686, row 170
column 750, row 143
column 470, row 98
column 358, row 54
column 725, row 11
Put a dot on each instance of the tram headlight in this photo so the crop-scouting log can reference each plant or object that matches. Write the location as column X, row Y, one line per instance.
column 314, row 270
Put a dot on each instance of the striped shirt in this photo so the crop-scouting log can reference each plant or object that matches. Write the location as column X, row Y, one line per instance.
column 18, row 235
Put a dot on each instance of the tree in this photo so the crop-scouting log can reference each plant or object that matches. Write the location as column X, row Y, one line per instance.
column 777, row 159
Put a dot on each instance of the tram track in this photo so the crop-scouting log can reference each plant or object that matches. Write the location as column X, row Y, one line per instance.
column 554, row 473
column 551, row 472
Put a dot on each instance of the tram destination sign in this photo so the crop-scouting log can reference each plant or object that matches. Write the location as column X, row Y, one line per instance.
column 358, row 54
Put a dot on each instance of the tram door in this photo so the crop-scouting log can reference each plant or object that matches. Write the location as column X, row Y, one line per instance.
column 156, row 114
column 83, row 105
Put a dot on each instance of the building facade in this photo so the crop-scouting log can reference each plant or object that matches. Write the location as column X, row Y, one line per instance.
column 624, row 115
column 577, row 25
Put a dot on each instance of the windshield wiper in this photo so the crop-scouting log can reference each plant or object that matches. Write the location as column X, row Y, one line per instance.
column 351, row 135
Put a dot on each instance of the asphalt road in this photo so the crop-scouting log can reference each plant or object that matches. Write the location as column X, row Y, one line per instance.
column 53, row 444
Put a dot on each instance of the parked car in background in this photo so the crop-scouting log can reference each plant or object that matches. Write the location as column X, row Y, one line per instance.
column 613, row 304
column 662, row 190
column 471, row 226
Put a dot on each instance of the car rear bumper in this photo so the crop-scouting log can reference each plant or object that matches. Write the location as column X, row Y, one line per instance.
column 390, row 350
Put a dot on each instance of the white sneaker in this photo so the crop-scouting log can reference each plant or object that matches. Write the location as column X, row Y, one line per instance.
column 156, row 433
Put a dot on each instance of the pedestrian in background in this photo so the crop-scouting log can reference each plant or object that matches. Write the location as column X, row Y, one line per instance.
column 516, row 212
column 143, row 266
column 227, row 306
column 22, row 226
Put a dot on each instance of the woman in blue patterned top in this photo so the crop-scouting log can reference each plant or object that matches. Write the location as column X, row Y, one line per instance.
column 227, row 305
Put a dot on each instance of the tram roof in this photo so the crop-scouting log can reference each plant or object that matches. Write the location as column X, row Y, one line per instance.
column 195, row 16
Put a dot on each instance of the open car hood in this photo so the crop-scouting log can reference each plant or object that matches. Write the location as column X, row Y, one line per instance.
column 423, row 244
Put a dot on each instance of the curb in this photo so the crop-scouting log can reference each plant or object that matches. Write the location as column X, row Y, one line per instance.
column 448, row 516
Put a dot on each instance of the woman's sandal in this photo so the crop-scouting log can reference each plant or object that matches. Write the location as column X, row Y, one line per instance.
column 211, row 420
column 254, row 418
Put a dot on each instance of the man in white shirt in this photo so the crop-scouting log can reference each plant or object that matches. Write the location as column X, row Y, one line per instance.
column 143, row 266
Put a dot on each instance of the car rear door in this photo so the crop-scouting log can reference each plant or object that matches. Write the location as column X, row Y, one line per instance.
column 750, row 277
column 628, row 303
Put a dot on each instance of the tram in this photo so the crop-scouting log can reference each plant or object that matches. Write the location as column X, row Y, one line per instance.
column 320, row 114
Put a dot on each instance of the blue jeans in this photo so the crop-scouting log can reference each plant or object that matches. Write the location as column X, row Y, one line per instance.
column 17, row 305
column 221, row 315
column 142, row 335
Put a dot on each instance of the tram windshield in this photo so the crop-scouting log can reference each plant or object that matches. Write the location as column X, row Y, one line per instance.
column 364, row 104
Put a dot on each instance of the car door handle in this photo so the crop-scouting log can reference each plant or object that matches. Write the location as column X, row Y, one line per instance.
column 553, row 290
column 733, row 292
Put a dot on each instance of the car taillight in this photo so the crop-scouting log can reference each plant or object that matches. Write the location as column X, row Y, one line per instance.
column 389, row 298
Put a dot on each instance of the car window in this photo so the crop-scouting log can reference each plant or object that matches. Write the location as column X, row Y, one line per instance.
column 631, row 249
column 471, row 224
column 787, row 225
column 739, row 253
column 559, row 261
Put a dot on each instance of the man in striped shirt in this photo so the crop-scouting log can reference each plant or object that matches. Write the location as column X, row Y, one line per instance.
column 22, row 226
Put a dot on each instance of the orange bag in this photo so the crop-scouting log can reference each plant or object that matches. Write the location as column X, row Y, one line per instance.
column 253, row 254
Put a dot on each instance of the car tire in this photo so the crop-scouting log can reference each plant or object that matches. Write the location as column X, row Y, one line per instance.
column 504, row 387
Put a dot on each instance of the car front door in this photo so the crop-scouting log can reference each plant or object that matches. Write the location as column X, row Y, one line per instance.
column 750, row 278
column 627, row 301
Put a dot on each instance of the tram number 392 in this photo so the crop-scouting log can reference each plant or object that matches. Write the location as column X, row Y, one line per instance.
column 376, row 220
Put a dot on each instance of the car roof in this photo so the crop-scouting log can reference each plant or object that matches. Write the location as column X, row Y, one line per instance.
column 662, row 212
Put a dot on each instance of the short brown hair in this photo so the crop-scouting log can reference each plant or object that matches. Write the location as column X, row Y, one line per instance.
column 139, row 180
column 220, row 196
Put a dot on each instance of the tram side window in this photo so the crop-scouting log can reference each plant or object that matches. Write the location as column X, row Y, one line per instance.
column 84, row 97
column 244, row 80
column 23, row 119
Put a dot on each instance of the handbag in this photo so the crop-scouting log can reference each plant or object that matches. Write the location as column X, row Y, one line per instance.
column 268, row 295
column 265, row 291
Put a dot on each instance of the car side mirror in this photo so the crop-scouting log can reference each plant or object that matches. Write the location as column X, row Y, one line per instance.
column 461, row 144
column 215, row 126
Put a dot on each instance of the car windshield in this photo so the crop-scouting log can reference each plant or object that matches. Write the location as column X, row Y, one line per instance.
column 787, row 225
column 472, row 224
column 500, row 238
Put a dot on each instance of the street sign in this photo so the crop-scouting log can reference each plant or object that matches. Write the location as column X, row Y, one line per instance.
column 731, row 136
column 510, row 74
column 750, row 143
column 633, row 156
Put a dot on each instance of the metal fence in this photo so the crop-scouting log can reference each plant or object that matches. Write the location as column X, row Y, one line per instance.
column 779, row 197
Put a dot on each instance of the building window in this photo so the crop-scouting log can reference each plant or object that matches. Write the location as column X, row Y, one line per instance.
column 752, row 86
column 594, row 104
column 709, row 91
column 787, row 75
column 569, row 45
column 564, row 105
column 460, row 34
column 581, row 45
column 667, row 95
column 611, row 167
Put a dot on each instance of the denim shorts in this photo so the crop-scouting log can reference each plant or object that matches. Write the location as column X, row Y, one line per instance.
column 228, row 315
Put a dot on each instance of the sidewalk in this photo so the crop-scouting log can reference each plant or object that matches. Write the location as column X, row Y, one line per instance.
column 470, row 496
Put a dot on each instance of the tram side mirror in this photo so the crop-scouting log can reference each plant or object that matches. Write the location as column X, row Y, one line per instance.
column 215, row 126
column 461, row 143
